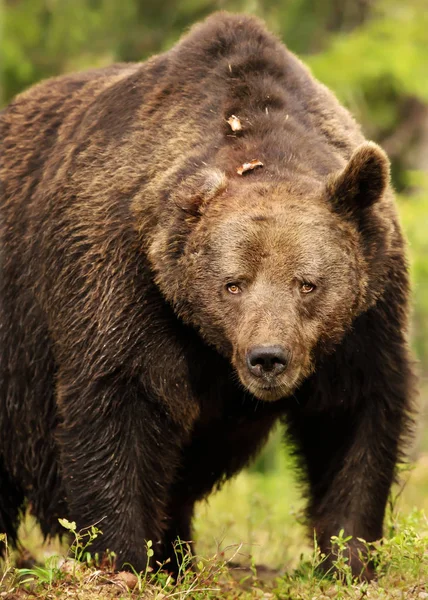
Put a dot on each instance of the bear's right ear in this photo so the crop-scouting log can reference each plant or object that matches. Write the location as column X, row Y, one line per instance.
column 362, row 182
column 194, row 192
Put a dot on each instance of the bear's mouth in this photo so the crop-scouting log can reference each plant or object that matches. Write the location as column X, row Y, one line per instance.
column 270, row 391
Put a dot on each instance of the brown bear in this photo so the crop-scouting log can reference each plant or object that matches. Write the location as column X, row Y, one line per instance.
column 192, row 249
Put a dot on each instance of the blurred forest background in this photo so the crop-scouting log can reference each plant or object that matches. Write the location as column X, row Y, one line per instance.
column 372, row 53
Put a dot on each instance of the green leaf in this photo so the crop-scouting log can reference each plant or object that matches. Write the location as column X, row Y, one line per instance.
column 70, row 525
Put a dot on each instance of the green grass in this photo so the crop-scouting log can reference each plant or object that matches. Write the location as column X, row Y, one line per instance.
column 249, row 545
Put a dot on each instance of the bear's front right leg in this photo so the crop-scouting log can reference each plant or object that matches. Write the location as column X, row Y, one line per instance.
column 119, row 452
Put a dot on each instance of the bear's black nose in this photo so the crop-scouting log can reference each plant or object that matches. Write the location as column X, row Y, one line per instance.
column 267, row 360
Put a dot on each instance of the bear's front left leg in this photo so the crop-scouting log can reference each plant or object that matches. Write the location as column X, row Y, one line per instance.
column 350, row 443
column 119, row 452
column 349, row 480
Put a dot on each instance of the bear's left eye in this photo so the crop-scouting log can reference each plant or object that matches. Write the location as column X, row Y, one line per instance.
column 307, row 288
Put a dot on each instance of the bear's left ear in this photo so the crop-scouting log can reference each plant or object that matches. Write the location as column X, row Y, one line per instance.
column 362, row 182
column 195, row 191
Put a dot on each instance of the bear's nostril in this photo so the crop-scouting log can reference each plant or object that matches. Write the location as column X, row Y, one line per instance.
column 267, row 360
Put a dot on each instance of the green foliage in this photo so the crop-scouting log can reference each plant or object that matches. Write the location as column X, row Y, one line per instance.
column 81, row 541
column 391, row 46
column 400, row 557
column 405, row 550
column 44, row 576
column 414, row 214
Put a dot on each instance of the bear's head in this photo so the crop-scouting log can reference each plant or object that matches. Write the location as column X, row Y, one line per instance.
column 273, row 273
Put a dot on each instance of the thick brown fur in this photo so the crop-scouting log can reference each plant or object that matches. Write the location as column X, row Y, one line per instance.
column 139, row 271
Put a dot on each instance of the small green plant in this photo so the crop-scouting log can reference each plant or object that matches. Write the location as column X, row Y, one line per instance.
column 82, row 540
column 42, row 575
column 340, row 548
column 53, row 571
column 5, row 572
column 405, row 551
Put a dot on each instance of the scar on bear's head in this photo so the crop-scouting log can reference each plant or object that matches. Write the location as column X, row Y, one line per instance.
column 260, row 218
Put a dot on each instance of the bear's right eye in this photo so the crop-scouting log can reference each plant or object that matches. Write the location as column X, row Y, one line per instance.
column 233, row 288
column 307, row 288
